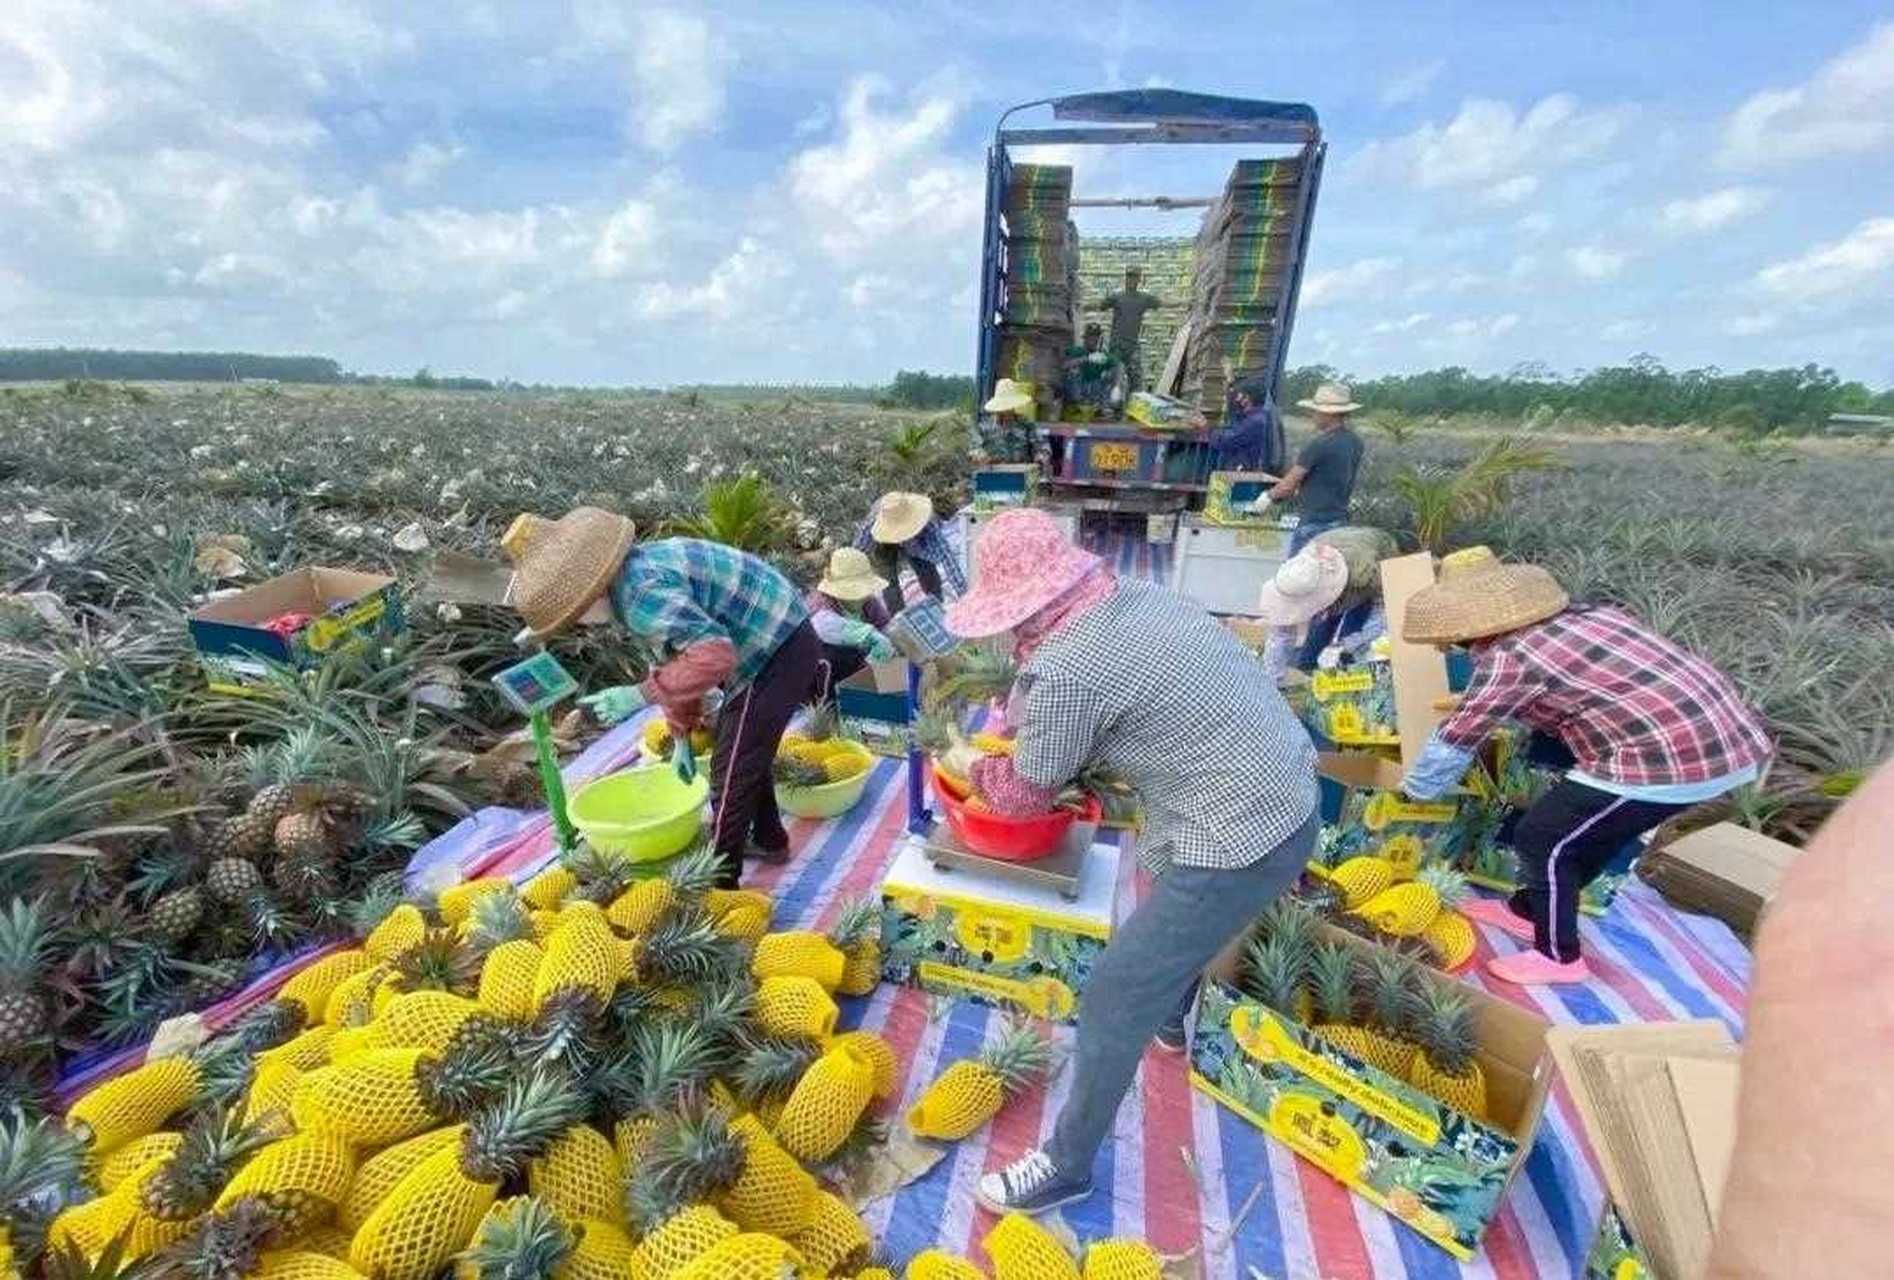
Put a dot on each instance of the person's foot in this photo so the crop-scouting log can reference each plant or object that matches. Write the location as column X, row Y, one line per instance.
column 1496, row 912
column 1030, row 1185
column 1535, row 968
column 769, row 857
column 1172, row 1037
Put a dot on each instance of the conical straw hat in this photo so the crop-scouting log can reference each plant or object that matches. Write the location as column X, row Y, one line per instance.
column 1477, row 596
column 563, row 566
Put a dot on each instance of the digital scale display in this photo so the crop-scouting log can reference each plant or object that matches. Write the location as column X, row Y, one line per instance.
column 535, row 685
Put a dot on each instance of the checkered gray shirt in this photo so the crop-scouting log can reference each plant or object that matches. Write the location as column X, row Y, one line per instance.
column 1148, row 685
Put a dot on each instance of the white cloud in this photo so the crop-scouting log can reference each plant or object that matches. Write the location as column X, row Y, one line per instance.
column 1594, row 262
column 1846, row 267
column 1412, row 83
column 1365, row 277
column 1526, row 264
column 873, row 289
column 1713, row 210
column 1750, row 325
column 733, row 286
column 1847, row 107
column 1493, row 149
column 626, row 241
column 425, row 162
column 1482, row 327
column 1413, row 320
column 1534, row 224
column 1626, row 330
column 678, row 67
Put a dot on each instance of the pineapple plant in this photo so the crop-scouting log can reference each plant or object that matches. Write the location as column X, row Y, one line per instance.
column 1391, row 983
column 1276, row 970
column 1444, row 1064
column 432, row 1213
column 175, row 914
column 524, row 1238
column 1361, row 879
column 690, row 1157
column 25, row 1013
column 493, row 919
column 455, row 904
column 1405, row 910
column 439, row 961
column 42, row 1169
column 972, row 1090
column 232, row 881
column 857, row 933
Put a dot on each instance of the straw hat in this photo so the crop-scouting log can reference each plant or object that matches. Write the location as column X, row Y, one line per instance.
column 1025, row 562
column 1330, row 397
column 850, row 576
column 1009, row 397
column 899, row 516
column 562, row 567
column 1304, row 585
column 1477, row 596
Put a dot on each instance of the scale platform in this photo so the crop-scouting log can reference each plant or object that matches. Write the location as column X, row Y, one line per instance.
column 1059, row 872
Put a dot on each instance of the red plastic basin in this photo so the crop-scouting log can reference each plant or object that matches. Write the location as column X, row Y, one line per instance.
column 1009, row 839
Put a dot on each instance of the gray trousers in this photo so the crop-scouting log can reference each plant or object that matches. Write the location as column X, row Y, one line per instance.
column 1149, row 972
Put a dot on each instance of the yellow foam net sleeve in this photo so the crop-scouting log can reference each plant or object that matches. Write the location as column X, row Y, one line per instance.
column 1021, row 1249
column 399, row 930
column 545, row 891
column 311, row 988
column 1122, row 1260
column 506, row 978
column 383, row 1171
column 422, row 1020
column 604, row 1252
column 630, row 1137
column 331, row 1240
column 303, row 1264
column 305, row 1053
column 640, row 907
column 965, row 1097
column 799, row 952
column 581, row 952
column 313, row 1165
column 429, row 1217
column 270, row 1090
column 826, row 1103
column 579, row 1176
column 862, row 973
column 774, row 1194
column 349, row 1041
column 680, row 1240
column 135, row 1155
column 136, row 1103
column 795, row 1006
column 456, row 902
column 835, row 1235
column 720, row 902
column 745, row 923
column 749, row 1255
column 121, row 1216
column 874, row 1273
column 879, row 1055
column 353, row 998
column 372, row 1098
column 936, row 1265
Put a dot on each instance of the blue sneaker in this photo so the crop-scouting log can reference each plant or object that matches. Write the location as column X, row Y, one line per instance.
column 1030, row 1185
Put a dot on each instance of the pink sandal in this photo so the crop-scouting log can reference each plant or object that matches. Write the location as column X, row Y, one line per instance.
column 1495, row 912
column 1535, row 968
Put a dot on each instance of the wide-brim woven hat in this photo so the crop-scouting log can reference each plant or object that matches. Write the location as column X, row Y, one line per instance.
column 1025, row 563
column 1009, row 397
column 899, row 516
column 1304, row 585
column 1477, row 596
column 563, row 567
column 1330, row 397
column 850, row 576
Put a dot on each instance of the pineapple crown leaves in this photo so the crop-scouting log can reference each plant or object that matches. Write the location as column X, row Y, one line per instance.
column 723, row 1011
column 400, row 831
column 674, row 1061
column 377, row 900
column 771, row 1066
column 569, row 1030
column 531, row 1115
column 1393, row 991
column 695, row 873
column 38, row 1158
column 1287, row 918
column 223, row 1246
column 266, row 1025
column 1019, row 1057
column 789, row 771
column 521, row 1239
column 299, row 755
column 687, row 948
column 979, row 673
column 1448, row 883
column 216, row 1144
column 440, row 961
column 858, row 921
column 1276, row 968
column 25, row 940
column 1335, row 981
column 495, row 918
column 1448, row 1029
column 69, row 1261
column 692, row 1157
column 225, row 1065
column 468, row 1075
column 820, row 719
column 601, row 876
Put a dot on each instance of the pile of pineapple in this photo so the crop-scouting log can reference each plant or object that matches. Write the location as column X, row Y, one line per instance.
column 1375, row 1004
column 817, row 753
column 1370, row 894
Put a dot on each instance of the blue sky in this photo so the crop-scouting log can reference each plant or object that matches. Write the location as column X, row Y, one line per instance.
column 595, row 191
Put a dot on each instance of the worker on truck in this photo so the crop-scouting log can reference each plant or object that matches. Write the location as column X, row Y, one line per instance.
column 1128, row 307
column 1253, row 440
column 1323, row 477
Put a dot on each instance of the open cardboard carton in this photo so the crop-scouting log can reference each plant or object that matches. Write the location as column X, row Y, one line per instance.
column 875, row 706
column 345, row 608
column 1724, row 870
column 1438, row 1170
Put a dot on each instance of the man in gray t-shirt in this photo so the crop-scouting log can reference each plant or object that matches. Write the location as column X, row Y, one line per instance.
column 1128, row 307
column 1323, row 476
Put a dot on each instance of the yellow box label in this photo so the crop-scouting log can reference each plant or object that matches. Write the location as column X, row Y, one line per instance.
column 1265, row 1039
column 325, row 631
column 1385, row 808
column 1004, row 936
column 1327, row 1141
column 1327, row 684
column 1046, row 997
column 1115, row 457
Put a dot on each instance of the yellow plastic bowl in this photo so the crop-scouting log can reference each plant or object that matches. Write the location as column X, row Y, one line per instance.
column 642, row 814
column 831, row 799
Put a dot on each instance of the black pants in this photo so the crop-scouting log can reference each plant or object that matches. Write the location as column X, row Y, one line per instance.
column 887, row 560
column 840, row 662
column 749, row 731
column 1564, row 843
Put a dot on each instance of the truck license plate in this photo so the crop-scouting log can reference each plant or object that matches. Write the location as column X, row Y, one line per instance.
column 1115, row 457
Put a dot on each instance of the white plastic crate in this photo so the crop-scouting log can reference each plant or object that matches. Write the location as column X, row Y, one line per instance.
column 1224, row 569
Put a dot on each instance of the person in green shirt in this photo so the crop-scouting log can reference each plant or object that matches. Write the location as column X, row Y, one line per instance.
column 1091, row 375
column 1128, row 307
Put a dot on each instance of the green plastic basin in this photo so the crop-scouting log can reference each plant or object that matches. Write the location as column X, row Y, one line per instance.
column 832, row 799
column 643, row 814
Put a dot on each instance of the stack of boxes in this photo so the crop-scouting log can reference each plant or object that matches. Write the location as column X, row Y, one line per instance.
column 1244, row 255
column 1041, row 280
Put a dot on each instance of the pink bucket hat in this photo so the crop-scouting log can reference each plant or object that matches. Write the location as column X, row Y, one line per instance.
column 1025, row 563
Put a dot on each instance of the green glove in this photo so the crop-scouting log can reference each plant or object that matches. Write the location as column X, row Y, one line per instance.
column 614, row 705
column 683, row 759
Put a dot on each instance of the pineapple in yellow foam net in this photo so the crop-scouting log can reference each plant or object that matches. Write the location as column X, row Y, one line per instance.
column 972, row 1090
column 379, row 1096
column 799, row 952
column 701, row 1155
column 835, row 1241
column 748, row 1255
column 399, row 930
column 523, row 1238
column 1021, row 1249
column 507, row 976
column 311, row 986
column 857, row 934
column 1122, row 1260
column 795, row 1006
column 583, row 953
column 133, row 1105
column 826, row 1103
column 579, row 1176
column 880, row 1057
column 303, row 1264
column 383, row 1171
column 937, row 1264
column 135, row 1155
column 679, row 1240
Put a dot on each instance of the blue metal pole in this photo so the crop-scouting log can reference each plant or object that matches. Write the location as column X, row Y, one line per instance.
column 919, row 819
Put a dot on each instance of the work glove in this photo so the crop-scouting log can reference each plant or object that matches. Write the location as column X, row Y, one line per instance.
column 880, row 649
column 1260, row 505
column 683, row 759
column 614, row 705
column 1331, row 658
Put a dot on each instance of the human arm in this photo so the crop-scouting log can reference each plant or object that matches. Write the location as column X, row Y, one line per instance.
column 1290, row 482
column 1436, row 770
column 1056, row 733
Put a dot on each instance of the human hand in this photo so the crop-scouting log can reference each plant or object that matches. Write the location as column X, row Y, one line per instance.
column 614, row 705
column 1261, row 505
column 880, row 649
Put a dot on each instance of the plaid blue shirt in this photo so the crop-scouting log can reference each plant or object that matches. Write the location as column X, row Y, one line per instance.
column 677, row 592
column 931, row 545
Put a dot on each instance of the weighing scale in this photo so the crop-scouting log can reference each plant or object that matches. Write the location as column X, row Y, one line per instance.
column 533, row 688
column 1058, row 872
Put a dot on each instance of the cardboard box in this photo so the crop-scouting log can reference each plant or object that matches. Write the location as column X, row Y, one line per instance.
column 972, row 937
column 875, row 707
column 346, row 609
column 1224, row 569
column 1229, row 495
column 1724, row 870
column 1003, row 487
column 1441, row 1172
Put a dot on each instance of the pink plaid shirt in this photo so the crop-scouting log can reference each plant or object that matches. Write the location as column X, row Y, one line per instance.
column 1634, row 708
